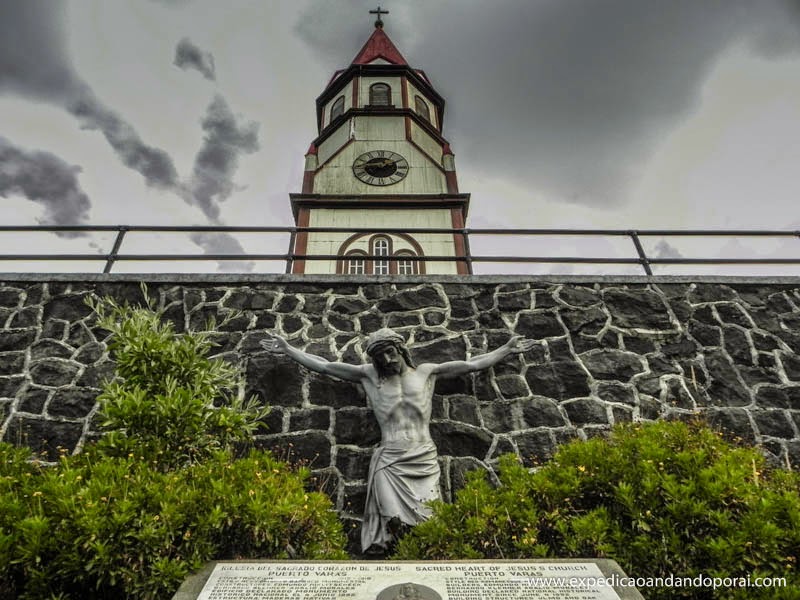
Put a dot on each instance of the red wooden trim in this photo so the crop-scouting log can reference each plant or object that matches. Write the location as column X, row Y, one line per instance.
column 452, row 182
column 301, row 241
column 308, row 182
column 462, row 268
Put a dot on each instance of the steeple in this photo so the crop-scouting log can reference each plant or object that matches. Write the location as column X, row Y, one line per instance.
column 379, row 161
column 379, row 46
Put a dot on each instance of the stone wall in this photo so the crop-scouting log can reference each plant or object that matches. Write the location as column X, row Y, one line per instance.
column 608, row 350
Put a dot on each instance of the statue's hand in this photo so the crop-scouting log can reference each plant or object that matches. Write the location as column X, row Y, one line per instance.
column 518, row 344
column 274, row 344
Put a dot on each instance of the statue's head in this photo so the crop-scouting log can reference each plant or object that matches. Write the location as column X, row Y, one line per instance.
column 388, row 352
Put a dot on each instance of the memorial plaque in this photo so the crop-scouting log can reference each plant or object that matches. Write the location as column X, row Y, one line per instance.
column 401, row 580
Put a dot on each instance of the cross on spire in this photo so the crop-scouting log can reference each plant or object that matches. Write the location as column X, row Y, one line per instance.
column 379, row 12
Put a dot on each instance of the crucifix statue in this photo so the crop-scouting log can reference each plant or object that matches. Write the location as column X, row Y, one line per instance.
column 404, row 470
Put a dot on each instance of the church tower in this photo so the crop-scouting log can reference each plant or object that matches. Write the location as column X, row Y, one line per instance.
column 380, row 161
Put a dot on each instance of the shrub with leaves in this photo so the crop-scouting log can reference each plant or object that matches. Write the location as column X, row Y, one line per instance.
column 660, row 499
column 163, row 492
column 161, row 404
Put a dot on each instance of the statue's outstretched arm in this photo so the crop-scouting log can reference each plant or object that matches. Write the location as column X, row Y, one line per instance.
column 275, row 344
column 516, row 345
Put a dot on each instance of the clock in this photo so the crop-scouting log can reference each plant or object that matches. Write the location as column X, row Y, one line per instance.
column 380, row 167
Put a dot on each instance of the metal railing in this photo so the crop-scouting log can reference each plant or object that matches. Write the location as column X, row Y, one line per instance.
column 466, row 235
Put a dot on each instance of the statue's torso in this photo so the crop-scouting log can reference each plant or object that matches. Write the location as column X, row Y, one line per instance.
column 402, row 405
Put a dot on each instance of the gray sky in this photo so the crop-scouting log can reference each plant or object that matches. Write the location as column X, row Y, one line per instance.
column 562, row 113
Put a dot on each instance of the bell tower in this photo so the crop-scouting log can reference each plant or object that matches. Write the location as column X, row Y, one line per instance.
column 380, row 161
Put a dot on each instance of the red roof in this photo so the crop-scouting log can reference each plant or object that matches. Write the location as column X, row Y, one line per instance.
column 379, row 46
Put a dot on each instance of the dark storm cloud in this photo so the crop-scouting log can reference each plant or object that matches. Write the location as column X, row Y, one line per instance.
column 226, row 138
column 34, row 63
column 45, row 179
column 153, row 164
column 189, row 56
column 32, row 57
column 567, row 97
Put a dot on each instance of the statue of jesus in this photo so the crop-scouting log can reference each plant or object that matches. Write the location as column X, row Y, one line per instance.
column 404, row 471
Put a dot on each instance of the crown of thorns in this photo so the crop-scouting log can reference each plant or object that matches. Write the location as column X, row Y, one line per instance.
column 384, row 336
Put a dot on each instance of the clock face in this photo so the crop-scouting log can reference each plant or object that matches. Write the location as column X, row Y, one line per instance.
column 380, row 167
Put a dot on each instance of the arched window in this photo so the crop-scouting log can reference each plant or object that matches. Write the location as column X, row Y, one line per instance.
column 396, row 254
column 422, row 108
column 407, row 265
column 380, row 94
column 337, row 110
column 355, row 264
column 380, row 247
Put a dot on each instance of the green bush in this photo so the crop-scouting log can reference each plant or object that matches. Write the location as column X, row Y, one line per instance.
column 164, row 491
column 660, row 499
column 161, row 404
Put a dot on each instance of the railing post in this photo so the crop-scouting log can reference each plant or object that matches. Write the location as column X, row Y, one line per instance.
column 113, row 255
column 290, row 255
column 642, row 256
column 467, row 252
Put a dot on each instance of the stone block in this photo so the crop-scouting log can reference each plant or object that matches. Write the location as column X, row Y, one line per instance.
column 10, row 297
column 12, row 363
column 48, row 348
column 539, row 325
column 459, row 439
column 541, row 412
column 535, row 447
column 590, row 321
column 512, row 386
column 312, row 449
column 97, row 375
column 575, row 295
column 440, row 351
column 464, row 409
column 90, row 353
column 325, row 391
column 612, row 364
column 559, row 380
column 249, row 299
column 353, row 463
column 650, row 409
column 414, row 299
column 69, row 308
column 774, row 423
column 586, row 411
column 312, row 418
column 637, row 309
column 10, row 385
column 515, row 301
column 275, row 379
column 16, row 339
column 287, row 304
column 733, row 314
column 768, row 396
column 639, row 345
column 356, row 426
column 73, row 402
column 613, row 391
column 706, row 335
column 734, row 423
column 44, row 437
column 682, row 347
column 354, row 499
column 53, row 372
column 791, row 365
column 724, row 385
column 710, row 292
column 737, row 345
column 32, row 400
column 500, row 416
